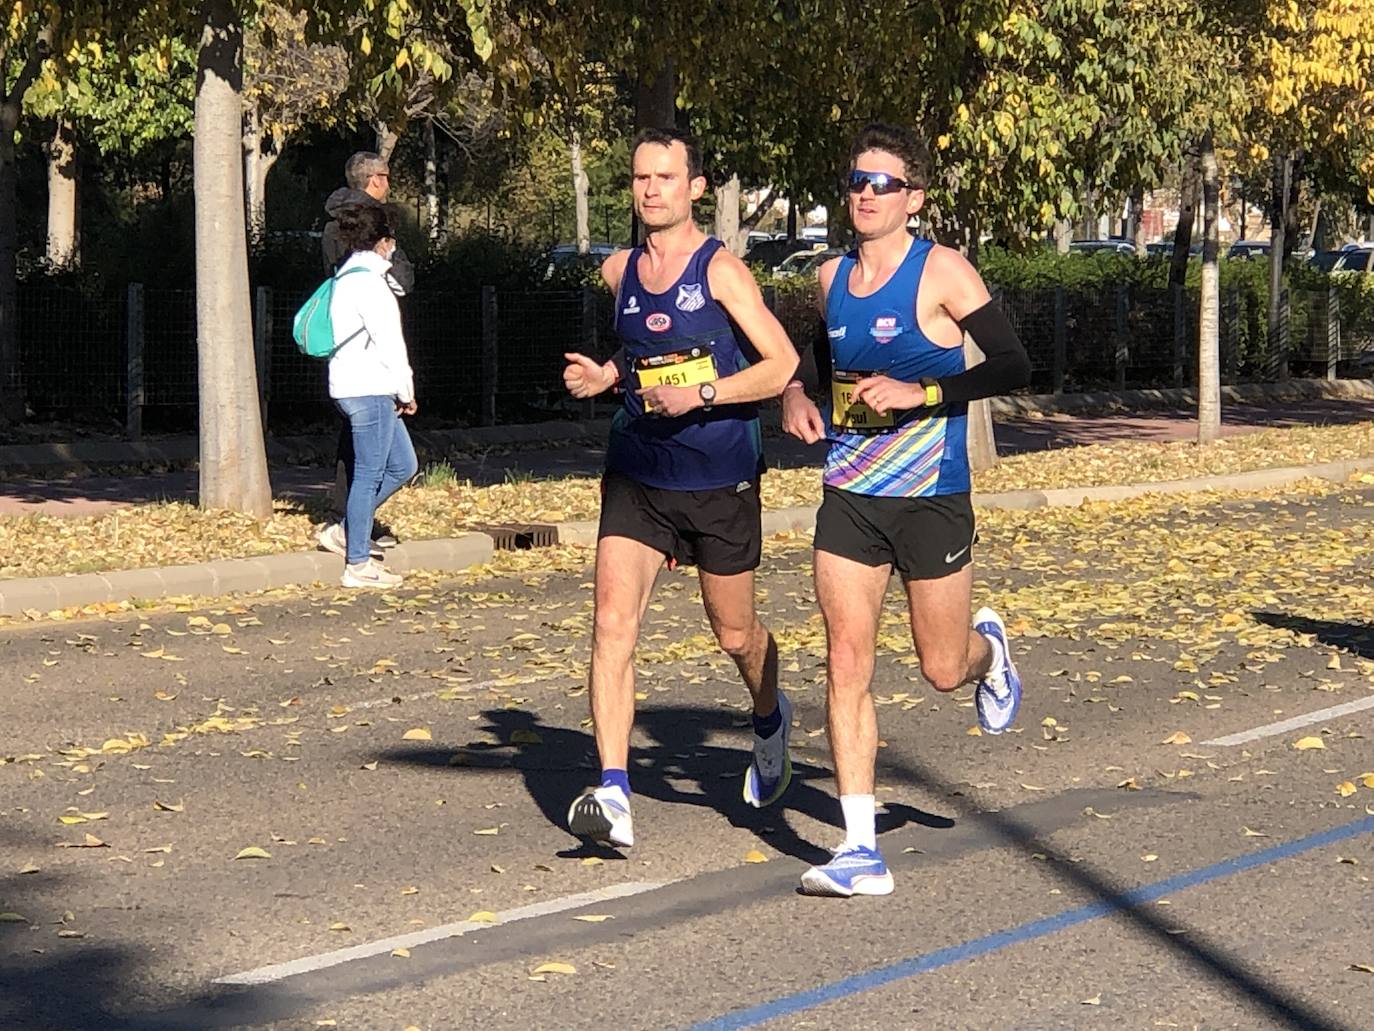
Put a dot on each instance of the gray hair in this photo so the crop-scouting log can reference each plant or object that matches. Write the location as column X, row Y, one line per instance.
column 362, row 166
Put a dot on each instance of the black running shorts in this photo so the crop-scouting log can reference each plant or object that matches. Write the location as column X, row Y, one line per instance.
column 922, row 538
column 717, row 530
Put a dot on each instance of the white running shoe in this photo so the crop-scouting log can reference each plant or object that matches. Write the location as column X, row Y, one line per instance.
column 771, row 771
column 852, row 870
column 369, row 574
column 998, row 695
column 603, row 815
column 333, row 539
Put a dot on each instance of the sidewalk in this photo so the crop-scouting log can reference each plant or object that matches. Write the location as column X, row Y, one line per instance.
column 1016, row 434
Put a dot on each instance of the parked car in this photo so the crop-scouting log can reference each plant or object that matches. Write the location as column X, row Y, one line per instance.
column 1356, row 259
column 770, row 253
column 565, row 257
column 804, row 263
column 1165, row 248
column 1325, row 261
column 1246, row 249
column 1112, row 245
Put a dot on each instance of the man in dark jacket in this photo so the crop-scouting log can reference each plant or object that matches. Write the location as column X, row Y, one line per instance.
column 369, row 181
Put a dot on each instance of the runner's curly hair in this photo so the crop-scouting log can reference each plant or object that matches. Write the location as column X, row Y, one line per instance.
column 362, row 225
column 900, row 143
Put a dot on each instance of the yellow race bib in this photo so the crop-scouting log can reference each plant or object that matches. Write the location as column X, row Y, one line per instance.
column 846, row 413
column 686, row 368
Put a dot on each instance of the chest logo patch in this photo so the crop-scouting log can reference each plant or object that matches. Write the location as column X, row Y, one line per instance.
column 837, row 333
column 632, row 308
column 658, row 322
column 690, row 297
column 887, row 326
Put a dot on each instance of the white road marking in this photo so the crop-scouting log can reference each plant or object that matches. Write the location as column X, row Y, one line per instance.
column 1284, row 726
column 306, row 964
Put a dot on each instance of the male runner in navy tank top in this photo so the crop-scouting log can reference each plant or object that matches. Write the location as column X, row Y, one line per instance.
column 682, row 467
column 897, row 475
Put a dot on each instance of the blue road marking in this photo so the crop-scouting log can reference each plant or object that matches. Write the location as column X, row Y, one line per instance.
column 876, row 978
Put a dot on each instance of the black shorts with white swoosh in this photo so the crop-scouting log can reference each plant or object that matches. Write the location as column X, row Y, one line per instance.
column 922, row 538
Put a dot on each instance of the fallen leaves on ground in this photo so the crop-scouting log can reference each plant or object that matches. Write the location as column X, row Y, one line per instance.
column 168, row 534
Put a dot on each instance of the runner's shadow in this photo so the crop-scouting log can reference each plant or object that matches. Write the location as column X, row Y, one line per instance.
column 680, row 765
column 1353, row 637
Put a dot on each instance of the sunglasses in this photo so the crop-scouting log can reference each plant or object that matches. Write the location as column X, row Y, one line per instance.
column 881, row 182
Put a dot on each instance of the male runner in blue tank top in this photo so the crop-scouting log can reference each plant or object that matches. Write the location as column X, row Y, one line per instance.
column 682, row 467
column 897, row 475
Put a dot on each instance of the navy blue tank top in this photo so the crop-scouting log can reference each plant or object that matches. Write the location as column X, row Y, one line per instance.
column 681, row 337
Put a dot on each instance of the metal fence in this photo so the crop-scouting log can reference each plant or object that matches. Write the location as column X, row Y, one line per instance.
column 483, row 357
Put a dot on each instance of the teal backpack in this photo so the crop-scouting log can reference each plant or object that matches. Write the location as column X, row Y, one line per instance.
column 312, row 328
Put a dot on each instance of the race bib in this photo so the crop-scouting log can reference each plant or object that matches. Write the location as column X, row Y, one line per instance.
column 686, row 368
column 846, row 413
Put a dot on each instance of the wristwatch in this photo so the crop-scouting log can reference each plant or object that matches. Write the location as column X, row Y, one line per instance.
column 707, row 392
column 932, row 396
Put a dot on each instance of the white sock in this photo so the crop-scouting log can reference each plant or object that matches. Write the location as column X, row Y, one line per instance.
column 858, row 820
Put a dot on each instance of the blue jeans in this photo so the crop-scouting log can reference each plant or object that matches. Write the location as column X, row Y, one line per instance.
column 383, row 462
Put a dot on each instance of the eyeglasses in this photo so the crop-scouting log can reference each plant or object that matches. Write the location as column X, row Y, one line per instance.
column 381, row 175
column 881, row 182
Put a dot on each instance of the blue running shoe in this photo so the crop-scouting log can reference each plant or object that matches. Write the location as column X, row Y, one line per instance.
column 603, row 815
column 998, row 695
column 852, row 870
column 771, row 771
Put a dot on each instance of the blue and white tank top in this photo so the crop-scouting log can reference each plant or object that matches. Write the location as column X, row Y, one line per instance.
column 915, row 453
column 681, row 337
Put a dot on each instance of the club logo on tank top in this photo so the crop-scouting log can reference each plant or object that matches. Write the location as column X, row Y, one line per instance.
column 887, row 326
column 690, row 297
column 658, row 322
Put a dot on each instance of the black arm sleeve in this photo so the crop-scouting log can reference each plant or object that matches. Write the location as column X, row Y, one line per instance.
column 1006, row 366
column 622, row 368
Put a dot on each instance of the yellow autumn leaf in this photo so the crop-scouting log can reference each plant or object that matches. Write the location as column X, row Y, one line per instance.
column 593, row 918
column 417, row 734
column 483, row 916
column 339, row 925
column 755, row 856
column 12, row 918
column 1178, row 737
column 592, row 861
column 554, row 968
column 1345, row 789
column 1308, row 743
column 401, row 953
column 253, row 852
column 1367, row 779
column 170, row 807
column 526, row 737
column 488, row 831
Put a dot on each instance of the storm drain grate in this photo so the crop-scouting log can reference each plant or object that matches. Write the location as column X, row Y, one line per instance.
column 519, row 536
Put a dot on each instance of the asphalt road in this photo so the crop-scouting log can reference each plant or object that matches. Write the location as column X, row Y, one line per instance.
column 405, row 761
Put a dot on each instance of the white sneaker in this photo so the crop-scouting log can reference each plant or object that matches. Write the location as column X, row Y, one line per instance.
column 333, row 539
column 603, row 815
column 369, row 574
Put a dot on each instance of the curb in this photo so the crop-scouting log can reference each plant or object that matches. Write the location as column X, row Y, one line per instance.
column 227, row 576
column 453, row 554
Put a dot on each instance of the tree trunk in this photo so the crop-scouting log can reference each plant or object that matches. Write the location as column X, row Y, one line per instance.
column 431, row 184
column 1187, row 214
column 580, row 188
column 62, row 196
column 1063, row 233
column 252, row 176
column 233, row 459
column 1283, row 172
column 1209, row 315
column 655, row 107
column 1135, row 231
column 792, row 217
column 727, row 214
column 1318, row 231
column 386, row 139
column 11, row 107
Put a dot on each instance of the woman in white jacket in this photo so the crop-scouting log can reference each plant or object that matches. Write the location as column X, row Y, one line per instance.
column 372, row 385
